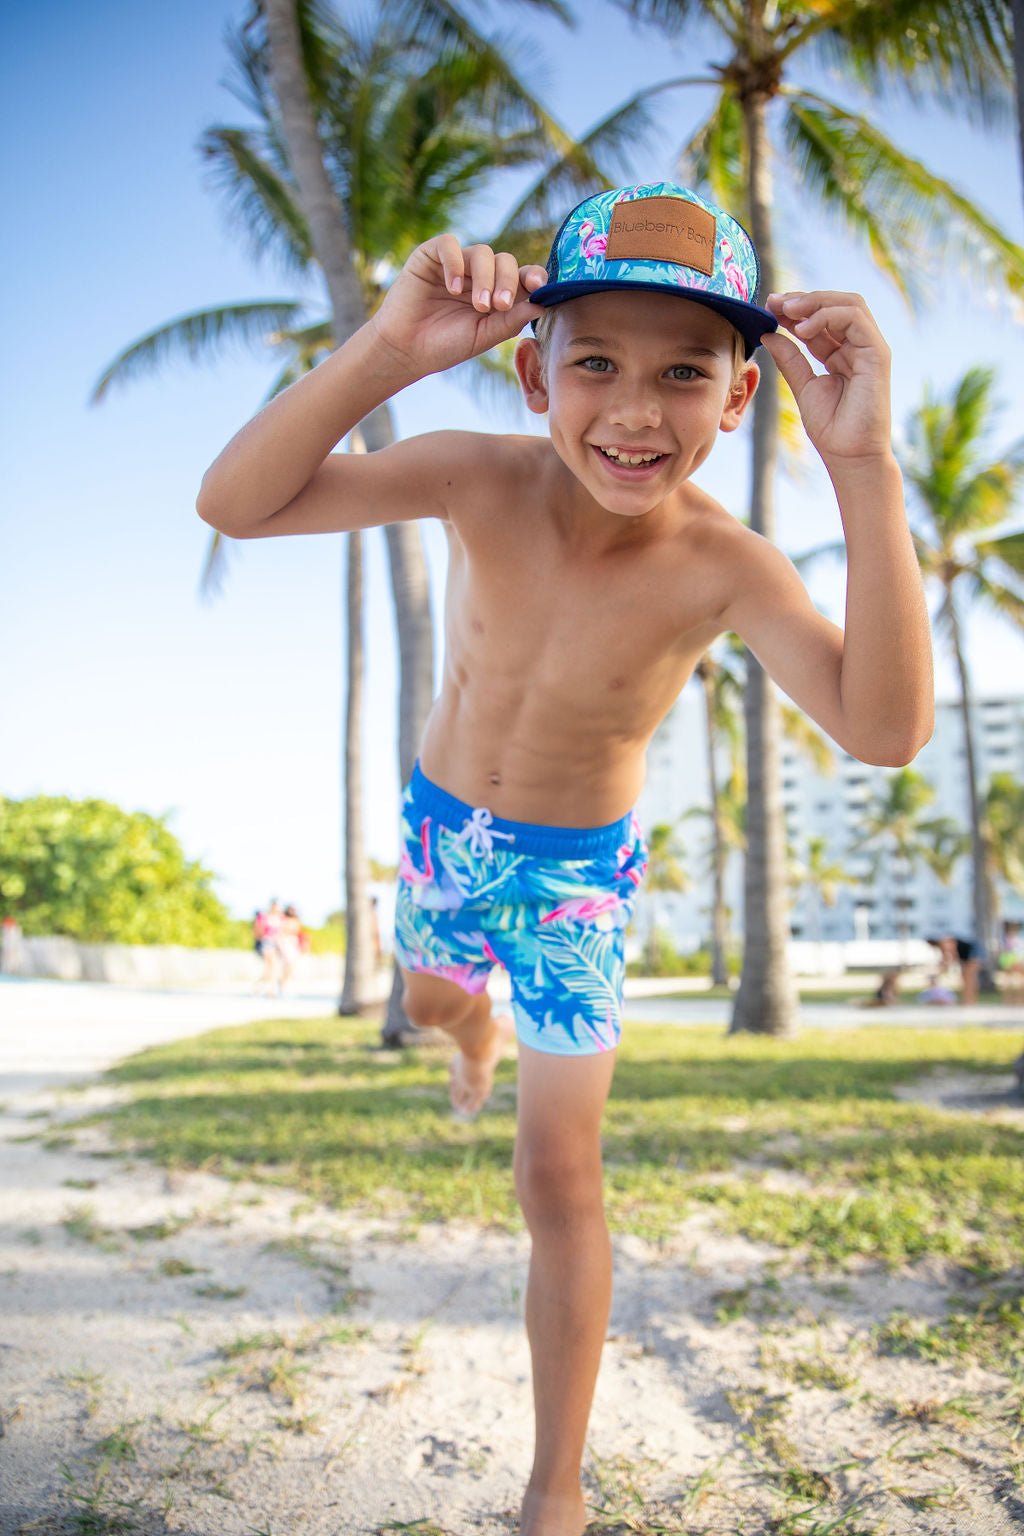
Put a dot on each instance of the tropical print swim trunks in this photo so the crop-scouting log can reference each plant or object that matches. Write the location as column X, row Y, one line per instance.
column 550, row 904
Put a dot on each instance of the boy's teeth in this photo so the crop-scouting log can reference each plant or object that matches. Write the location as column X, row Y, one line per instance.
column 630, row 458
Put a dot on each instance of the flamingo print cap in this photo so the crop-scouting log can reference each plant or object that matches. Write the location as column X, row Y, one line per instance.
column 660, row 238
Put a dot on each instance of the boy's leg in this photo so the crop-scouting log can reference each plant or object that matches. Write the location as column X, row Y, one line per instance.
column 434, row 1003
column 559, row 1184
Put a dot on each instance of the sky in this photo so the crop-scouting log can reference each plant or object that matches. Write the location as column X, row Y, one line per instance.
column 123, row 683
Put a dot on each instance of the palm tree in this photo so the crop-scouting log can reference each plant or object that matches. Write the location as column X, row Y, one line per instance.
column 1003, row 814
column 666, row 871
column 963, row 494
column 895, row 203
column 411, row 117
column 823, row 878
column 1018, row 69
column 722, row 690
column 896, row 834
column 721, row 678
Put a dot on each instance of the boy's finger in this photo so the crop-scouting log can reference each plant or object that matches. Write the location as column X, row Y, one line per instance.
column 481, row 267
column 533, row 277
column 839, row 323
column 821, row 298
column 788, row 359
column 449, row 253
column 506, row 280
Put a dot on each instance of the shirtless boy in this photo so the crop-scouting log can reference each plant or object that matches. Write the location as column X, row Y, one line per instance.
column 587, row 575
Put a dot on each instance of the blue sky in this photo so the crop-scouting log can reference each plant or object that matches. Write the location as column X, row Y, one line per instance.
column 120, row 681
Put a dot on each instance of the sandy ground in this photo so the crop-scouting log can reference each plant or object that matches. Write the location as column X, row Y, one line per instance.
column 183, row 1354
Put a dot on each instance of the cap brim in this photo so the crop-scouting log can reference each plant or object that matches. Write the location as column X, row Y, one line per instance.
column 749, row 319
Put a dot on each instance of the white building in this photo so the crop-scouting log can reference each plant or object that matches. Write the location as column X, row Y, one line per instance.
column 829, row 806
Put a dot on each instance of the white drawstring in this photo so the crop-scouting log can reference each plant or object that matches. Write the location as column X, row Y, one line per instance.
column 477, row 829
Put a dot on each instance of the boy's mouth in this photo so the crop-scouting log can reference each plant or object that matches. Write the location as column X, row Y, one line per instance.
column 630, row 463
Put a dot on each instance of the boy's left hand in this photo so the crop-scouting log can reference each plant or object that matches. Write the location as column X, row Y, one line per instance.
column 846, row 410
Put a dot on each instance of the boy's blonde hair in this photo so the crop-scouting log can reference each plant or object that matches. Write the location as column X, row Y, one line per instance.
column 546, row 322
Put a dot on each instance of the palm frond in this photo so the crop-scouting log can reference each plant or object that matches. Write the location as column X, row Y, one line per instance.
column 715, row 156
column 215, row 566
column 491, row 377
column 903, row 208
column 1009, row 549
column 439, row 27
column 822, row 152
column 199, row 336
column 1000, row 600
column 805, row 736
column 259, row 197
column 956, row 54
column 530, row 225
column 837, row 550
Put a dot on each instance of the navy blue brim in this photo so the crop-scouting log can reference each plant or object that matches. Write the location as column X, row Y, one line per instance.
column 749, row 319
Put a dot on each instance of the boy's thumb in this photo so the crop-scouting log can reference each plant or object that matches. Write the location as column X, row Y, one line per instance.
column 788, row 359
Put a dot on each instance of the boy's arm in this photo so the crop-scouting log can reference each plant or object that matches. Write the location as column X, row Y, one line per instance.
column 872, row 687
column 278, row 474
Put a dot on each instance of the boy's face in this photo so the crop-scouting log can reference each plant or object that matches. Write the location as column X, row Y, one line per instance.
column 630, row 374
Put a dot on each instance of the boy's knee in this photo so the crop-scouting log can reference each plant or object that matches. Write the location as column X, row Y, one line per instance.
column 434, row 1007
column 558, row 1181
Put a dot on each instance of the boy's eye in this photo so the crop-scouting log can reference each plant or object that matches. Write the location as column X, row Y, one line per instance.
column 683, row 371
column 596, row 364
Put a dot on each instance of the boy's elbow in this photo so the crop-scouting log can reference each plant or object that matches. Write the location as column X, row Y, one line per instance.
column 212, row 510
column 898, row 754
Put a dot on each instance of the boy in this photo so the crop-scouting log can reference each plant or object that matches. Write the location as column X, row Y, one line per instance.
column 587, row 575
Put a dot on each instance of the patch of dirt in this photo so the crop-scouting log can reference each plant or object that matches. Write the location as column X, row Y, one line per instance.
column 183, row 1354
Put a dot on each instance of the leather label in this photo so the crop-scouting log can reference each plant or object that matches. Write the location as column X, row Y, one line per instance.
column 663, row 229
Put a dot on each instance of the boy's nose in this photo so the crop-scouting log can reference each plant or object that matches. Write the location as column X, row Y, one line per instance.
column 634, row 408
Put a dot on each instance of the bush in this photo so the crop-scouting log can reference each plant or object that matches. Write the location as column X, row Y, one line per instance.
column 90, row 871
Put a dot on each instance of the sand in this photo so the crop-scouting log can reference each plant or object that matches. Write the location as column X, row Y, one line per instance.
column 185, row 1354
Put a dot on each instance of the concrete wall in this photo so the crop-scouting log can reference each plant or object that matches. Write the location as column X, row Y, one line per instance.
column 141, row 965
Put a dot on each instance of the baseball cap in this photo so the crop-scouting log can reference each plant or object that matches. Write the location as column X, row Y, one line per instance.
column 658, row 238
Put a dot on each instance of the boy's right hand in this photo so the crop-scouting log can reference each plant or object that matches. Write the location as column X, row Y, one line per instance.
column 452, row 302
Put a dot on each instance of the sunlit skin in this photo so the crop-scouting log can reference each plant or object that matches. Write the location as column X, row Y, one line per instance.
column 581, row 594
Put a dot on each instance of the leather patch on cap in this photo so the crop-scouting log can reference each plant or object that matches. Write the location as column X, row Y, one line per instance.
column 662, row 229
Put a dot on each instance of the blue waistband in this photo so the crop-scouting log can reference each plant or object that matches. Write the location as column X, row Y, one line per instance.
column 530, row 837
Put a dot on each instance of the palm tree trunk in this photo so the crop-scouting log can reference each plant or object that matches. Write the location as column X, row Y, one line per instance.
column 719, row 975
column 329, row 233
column 766, row 1002
column 982, row 937
column 358, row 942
column 411, row 588
column 1018, row 64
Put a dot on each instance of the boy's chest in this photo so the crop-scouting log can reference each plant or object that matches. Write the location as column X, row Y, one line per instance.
column 588, row 626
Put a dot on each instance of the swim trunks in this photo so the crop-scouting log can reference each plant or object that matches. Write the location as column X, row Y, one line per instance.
column 550, row 904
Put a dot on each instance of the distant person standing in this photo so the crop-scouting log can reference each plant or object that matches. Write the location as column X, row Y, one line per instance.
column 12, row 947
column 267, row 933
column 289, row 944
column 1011, row 960
column 964, row 951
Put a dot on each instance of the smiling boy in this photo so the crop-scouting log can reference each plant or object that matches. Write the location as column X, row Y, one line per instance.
column 587, row 575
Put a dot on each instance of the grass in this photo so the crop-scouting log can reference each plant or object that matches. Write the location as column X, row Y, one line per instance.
column 696, row 1120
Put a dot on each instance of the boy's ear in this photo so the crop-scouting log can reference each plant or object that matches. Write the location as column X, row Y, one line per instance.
column 532, row 377
column 741, row 392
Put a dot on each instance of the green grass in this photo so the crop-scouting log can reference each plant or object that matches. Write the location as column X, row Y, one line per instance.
column 696, row 1119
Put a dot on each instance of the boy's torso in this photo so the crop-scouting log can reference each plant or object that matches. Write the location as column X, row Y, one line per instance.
column 559, row 661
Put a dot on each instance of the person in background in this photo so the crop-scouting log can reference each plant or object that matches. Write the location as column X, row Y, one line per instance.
column 268, row 935
column 963, row 951
column 288, row 945
column 1011, row 960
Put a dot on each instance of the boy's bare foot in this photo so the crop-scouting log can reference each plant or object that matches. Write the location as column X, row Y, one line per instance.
column 552, row 1514
column 471, row 1078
